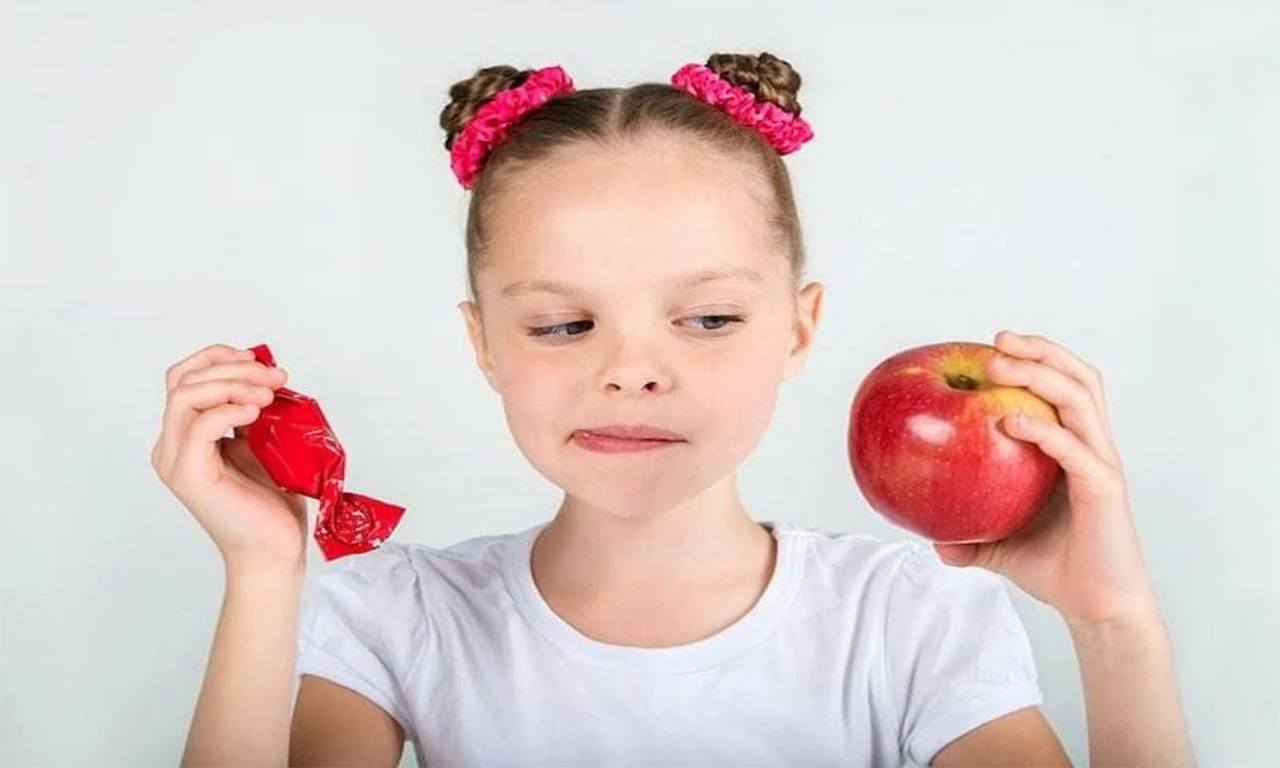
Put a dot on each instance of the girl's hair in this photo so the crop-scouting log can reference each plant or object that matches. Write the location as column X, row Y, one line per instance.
column 605, row 117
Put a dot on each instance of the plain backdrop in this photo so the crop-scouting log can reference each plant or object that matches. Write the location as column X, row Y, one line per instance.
column 177, row 173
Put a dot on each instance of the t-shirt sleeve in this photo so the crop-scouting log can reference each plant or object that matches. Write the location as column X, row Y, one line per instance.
column 361, row 619
column 957, row 654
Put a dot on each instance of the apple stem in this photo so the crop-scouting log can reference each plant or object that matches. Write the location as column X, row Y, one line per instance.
column 962, row 381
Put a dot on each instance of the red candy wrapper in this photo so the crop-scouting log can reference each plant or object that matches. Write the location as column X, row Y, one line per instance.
column 297, row 447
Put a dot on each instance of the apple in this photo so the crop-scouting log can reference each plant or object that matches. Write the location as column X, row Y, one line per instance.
column 928, row 454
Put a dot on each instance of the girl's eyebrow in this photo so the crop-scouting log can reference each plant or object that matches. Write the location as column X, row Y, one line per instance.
column 688, row 280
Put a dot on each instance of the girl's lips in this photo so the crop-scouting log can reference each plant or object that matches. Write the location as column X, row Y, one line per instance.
column 608, row 444
column 633, row 432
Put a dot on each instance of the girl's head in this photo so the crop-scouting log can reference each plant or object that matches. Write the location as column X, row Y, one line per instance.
column 592, row 236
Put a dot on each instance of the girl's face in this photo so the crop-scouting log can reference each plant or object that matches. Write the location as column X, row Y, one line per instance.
column 601, row 308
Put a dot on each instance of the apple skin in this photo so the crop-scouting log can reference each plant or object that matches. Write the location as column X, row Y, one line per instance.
column 928, row 454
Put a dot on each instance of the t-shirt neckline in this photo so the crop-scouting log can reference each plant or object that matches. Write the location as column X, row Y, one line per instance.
column 749, row 629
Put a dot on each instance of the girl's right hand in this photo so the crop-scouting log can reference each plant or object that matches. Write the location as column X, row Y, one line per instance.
column 254, row 523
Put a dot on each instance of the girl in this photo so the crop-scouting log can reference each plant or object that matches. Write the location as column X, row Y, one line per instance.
column 634, row 265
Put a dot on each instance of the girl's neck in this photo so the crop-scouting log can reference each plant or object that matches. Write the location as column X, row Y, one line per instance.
column 707, row 544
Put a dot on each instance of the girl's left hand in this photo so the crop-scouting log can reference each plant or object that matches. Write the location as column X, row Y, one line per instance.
column 1080, row 553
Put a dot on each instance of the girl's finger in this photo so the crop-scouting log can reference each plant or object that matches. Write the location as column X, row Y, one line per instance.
column 210, row 355
column 1080, row 463
column 189, row 401
column 1077, row 409
column 247, row 370
column 201, row 444
column 1043, row 350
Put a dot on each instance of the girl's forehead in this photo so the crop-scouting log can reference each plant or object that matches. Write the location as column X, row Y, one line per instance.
column 605, row 247
column 571, row 286
column 624, row 207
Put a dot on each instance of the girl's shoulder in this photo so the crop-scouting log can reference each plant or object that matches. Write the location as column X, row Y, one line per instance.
column 392, row 598
column 396, row 562
column 852, row 552
column 906, row 571
column 400, row 575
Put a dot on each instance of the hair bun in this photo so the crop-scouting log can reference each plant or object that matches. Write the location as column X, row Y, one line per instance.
column 468, row 96
column 768, row 77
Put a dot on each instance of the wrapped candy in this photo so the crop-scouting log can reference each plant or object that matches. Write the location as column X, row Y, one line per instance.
column 298, row 449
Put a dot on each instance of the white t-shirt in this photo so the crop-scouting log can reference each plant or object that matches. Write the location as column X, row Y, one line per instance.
column 860, row 651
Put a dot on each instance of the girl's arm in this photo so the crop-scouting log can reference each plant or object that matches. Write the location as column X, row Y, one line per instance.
column 243, row 713
column 1131, row 702
column 1082, row 556
column 1131, row 693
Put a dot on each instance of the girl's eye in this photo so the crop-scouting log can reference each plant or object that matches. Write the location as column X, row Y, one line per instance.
column 724, row 320
column 719, row 322
column 557, row 330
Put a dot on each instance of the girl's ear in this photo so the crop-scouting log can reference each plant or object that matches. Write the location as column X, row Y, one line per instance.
column 475, row 332
column 808, row 313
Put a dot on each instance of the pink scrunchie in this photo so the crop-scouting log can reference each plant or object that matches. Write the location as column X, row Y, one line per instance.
column 785, row 131
column 491, row 122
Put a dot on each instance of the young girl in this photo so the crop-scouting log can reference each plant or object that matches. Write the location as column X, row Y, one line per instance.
column 634, row 262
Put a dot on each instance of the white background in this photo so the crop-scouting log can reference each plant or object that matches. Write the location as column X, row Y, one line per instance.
column 178, row 173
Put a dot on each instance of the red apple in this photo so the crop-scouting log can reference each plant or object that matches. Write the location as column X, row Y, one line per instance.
column 927, row 451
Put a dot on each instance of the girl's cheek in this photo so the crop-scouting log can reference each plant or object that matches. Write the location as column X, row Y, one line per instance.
column 539, row 377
